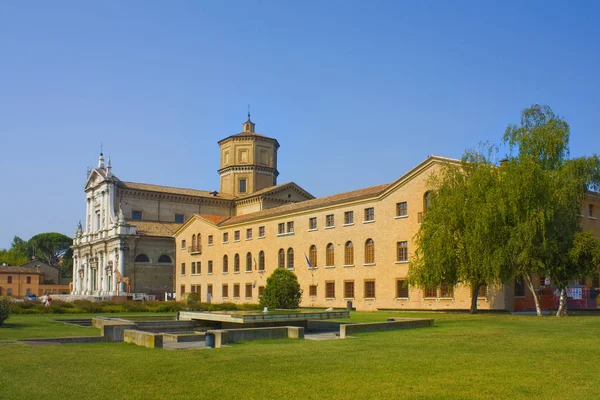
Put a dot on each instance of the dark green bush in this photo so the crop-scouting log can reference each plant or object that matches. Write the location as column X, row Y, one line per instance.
column 282, row 290
column 5, row 310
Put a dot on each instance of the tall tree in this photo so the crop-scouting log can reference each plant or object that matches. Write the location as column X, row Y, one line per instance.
column 17, row 254
column 50, row 247
column 545, row 190
column 463, row 230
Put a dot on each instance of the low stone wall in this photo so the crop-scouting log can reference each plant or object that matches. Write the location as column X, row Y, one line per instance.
column 391, row 325
column 144, row 339
column 228, row 336
column 324, row 325
column 184, row 337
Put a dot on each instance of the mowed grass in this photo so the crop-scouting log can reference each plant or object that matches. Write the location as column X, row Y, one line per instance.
column 462, row 357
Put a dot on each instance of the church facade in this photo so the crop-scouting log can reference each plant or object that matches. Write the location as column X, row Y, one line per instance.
column 126, row 242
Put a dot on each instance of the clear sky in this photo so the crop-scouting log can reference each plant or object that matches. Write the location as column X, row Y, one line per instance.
column 356, row 92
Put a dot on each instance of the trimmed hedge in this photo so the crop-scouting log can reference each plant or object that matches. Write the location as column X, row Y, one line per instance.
column 105, row 307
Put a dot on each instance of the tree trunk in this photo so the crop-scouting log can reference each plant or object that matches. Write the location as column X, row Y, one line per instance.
column 474, row 293
column 536, row 299
column 562, row 303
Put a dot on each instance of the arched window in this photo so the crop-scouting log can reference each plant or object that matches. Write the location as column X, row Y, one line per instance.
column 142, row 258
column 369, row 251
column 164, row 259
column 312, row 256
column 349, row 253
column 290, row 258
column 281, row 261
column 236, row 263
column 225, row 264
column 329, row 255
column 193, row 243
column 261, row 261
column 249, row 262
column 426, row 201
column 198, row 241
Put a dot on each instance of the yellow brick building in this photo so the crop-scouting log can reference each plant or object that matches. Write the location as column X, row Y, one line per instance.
column 349, row 247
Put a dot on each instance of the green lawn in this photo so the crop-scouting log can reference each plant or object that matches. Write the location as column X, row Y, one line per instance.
column 462, row 356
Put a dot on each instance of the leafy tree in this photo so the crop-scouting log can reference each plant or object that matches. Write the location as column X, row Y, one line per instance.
column 282, row 290
column 17, row 254
column 463, row 230
column 544, row 192
column 50, row 247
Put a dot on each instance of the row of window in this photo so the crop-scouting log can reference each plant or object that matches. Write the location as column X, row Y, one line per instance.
column 138, row 215
column 286, row 228
column 348, row 289
column 286, row 258
column 249, row 290
column 9, row 279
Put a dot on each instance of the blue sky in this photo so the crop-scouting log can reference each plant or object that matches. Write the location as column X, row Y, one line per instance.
column 356, row 92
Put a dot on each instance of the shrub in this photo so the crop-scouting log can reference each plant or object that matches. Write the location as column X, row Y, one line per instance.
column 191, row 298
column 114, row 309
column 4, row 310
column 282, row 290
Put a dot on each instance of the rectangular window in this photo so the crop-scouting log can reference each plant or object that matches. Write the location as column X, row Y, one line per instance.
column 369, row 214
column 369, row 289
column 136, row 215
column 401, row 209
column 261, row 289
column 236, row 290
column 9, row 279
column 483, row 291
column 242, row 185
column 248, row 290
column 9, row 291
column 401, row 289
column 236, row 236
column 182, row 290
column 348, row 217
column 330, row 290
column 183, row 246
column 312, row 223
column 446, row 291
column 290, row 227
column 225, row 237
column 182, row 269
column 210, row 240
column 209, row 291
column 430, row 292
column 312, row 290
column 261, row 231
column 349, row 289
column 281, row 228
column 28, row 292
column 225, row 291
column 591, row 210
column 329, row 221
column 210, row 267
column 248, row 233
column 519, row 288
column 402, row 251
column 179, row 218
column 193, row 269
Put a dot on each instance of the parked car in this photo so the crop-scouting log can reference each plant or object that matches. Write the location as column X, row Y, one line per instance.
column 31, row 297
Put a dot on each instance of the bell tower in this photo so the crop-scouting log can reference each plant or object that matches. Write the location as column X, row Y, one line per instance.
column 248, row 161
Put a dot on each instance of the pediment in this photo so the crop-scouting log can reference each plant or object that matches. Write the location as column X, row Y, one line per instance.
column 95, row 178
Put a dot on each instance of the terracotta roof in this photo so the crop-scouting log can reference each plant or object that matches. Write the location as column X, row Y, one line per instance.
column 155, row 228
column 271, row 189
column 308, row 204
column 14, row 270
column 215, row 219
column 172, row 190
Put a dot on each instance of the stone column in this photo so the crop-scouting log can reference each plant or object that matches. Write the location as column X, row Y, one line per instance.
column 75, row 274
column 122, row 265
